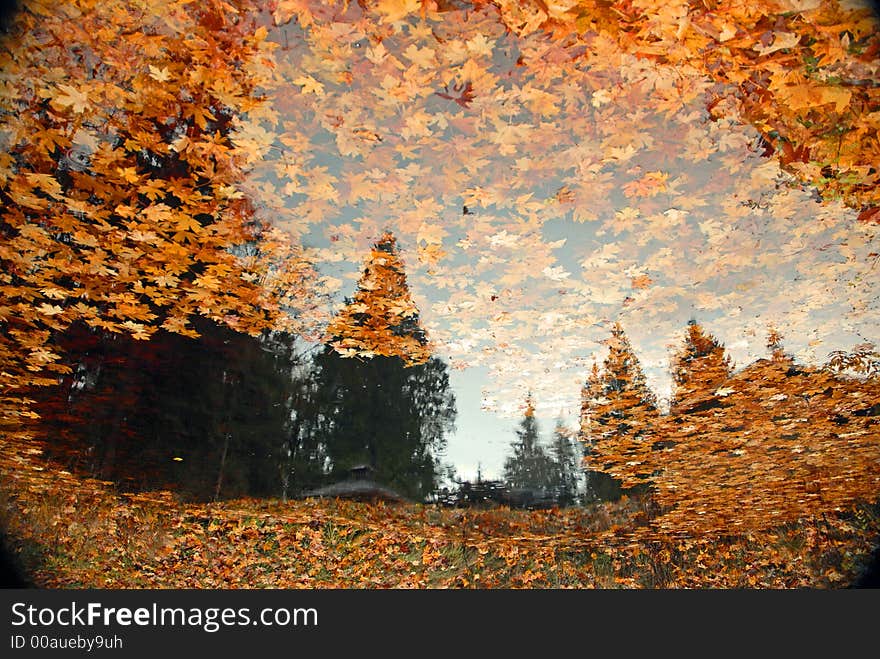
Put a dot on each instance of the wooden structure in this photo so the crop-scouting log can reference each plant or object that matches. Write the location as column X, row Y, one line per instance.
column 359, row 486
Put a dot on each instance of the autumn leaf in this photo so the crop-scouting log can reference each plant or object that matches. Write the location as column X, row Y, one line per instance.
column 71, row 97
column 309, row 85
column 806, row 95
column 461, row 93
column 124, row 204
column 870, row 214
column 159, row 75
column 642, row 282
column 114, row 228
column 395, row 10
column 286, row 9
column 47, row 183
column 780, row 40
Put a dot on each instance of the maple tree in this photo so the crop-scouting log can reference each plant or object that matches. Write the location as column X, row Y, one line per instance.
column 118, row 180
column 801, row 73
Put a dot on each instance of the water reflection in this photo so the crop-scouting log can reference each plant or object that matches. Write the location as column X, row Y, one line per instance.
column 541, row 191
column 206, row 417
column 535, row 474
column 231, row 415
column 381, row 399
column 543, row 187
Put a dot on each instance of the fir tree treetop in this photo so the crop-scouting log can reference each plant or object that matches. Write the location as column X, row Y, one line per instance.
column 381, row 318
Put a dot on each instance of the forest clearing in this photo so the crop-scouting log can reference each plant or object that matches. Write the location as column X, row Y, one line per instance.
column 68, row 532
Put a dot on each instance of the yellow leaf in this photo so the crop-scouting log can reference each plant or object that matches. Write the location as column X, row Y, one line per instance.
column 46, row 183
column 809, row 95
column 837, row 95
column 50, row 309
column 423, row 57
column 310, row 85
column 129, row 174
column 53, row 293
column 160, row 75
column 395, row 10
column 71, row 97
column 780, row 40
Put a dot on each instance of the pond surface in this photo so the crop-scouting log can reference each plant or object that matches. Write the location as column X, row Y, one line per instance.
column 487, row 202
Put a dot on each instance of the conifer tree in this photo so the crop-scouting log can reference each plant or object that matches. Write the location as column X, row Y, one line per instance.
column 699, row 368
column 566, row 456
column 382, row 399
column 617, row 417
column 529, row 467
column 591, row 396
column 774, row 345
column 382, row 318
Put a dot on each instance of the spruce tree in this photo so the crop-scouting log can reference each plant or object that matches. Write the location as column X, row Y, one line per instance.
column 529, row 469
column 381, row 318
column 382, row 399
column 566, row 456
column 699, row 369
column 618, row 414
column 774, row 345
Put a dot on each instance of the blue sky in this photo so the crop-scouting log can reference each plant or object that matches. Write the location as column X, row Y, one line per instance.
column 597, row 187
